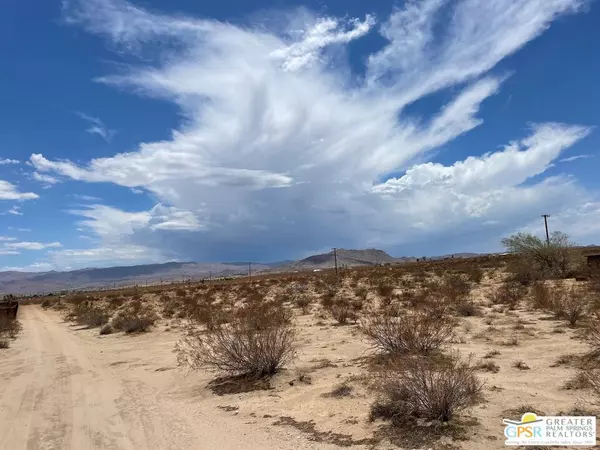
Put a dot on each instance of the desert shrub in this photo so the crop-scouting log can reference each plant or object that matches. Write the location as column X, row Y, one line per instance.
column 454, row 288
column 522, row 272
column 421, row 389
column 9, row 328
column 541, row 295
column 46, row 303
column 361, row 293
column 572, row 305
column 488, row 366
column 509, row 293
column 303, row 301
column 416, row 333
column 592, row 337
column 328, row 296
column 89, row 314
column 248, row 345
column 343, row 312
column 106, row 329
column 549, row 259
column 466, row 308
column 134, row 317
column 386, row 291
column 262, row 315
column 475, row 274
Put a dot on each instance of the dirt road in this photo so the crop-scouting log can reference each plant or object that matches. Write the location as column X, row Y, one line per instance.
column 64, row 388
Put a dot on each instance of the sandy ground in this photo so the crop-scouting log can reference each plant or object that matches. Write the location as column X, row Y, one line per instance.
column 62, row 389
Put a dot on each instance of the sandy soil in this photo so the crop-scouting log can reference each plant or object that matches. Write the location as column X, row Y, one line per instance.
column 63, row 389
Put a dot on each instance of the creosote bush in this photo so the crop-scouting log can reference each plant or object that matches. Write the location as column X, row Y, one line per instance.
column 256, row 343
column 415, row 333
column 418, row 388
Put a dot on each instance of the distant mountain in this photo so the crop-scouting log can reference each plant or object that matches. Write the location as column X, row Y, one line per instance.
column 349, row 258
column 30, row 283
column 44, row 282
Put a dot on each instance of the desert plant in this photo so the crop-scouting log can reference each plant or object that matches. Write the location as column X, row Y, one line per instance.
column 9, row 329
column 250, row 346
column 134, row 317
column 419, row 388
column 385, row 290
column 361, row 293
column 592, row 337
column 90, row 314
column 541, row 295
column 475, row 274
column 509, row 293
column 488, row 366
column 343, row 312
column 304, row 302
column 416, row 333
column 571, row 305
column 549, row 258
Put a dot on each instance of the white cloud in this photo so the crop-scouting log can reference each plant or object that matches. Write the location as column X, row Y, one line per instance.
column 86, row 198
column 32, row 245
column 284, row 148
column 7, row 238
column 4, row 251
column 309, row 41
column 9, row 191
column 97, row 127
column 35, row 267
column 6, row 161
column 575, row 158
column 47, row 180
column 15, row 211
column 19, row 229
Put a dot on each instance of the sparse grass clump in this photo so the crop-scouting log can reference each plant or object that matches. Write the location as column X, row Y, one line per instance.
column 341, row 390
column 416, row 333
column 253, row 345
column 418, row 388
column 488, row 366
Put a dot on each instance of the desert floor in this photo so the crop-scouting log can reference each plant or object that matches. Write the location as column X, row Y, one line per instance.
column 66, row 387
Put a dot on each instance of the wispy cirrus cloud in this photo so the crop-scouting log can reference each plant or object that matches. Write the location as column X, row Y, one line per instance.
column 97, row 127
column 284, row 146
column 32, row 245
column 575, row 158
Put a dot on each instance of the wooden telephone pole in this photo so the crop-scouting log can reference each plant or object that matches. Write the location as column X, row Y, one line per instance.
column 545, row 216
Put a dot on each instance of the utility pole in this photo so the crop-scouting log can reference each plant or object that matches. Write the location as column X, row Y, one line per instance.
column 545, row 216
column 335, row 260
column 250, row 270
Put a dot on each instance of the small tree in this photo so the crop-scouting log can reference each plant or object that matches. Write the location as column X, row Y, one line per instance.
column 548, row 258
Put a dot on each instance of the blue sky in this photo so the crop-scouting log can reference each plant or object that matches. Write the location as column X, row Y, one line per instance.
column 138, row 132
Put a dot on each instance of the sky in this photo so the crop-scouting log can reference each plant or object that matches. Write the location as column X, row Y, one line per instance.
column 153, row 131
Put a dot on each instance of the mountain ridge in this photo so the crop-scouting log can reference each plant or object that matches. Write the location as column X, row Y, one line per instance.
column 17, row 282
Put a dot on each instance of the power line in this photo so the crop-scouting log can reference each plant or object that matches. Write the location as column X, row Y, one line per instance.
column 545, row 216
